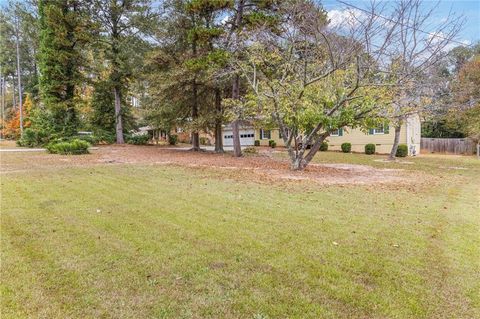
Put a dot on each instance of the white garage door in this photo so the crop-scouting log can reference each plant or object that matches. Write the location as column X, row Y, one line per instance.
column 247, row 137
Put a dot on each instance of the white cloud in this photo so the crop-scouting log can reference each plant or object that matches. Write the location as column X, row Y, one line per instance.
column 345, row 17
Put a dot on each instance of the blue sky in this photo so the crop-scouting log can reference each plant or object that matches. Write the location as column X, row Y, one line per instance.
column 468, row 8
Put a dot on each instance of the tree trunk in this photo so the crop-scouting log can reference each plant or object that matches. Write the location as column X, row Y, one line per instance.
column 14, row 98
column 315, row 148
column 19, row 76
column 195, row 142
column 396, row 140
column 195, row 137
column 218, row 121
column 301, row 161
column 2, row 89
column 237, row 148
column 298, row 164
column 118, row 116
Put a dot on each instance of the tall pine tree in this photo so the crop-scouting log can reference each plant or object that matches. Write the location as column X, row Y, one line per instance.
column 63, row 31
column 248, row 15
column 122, row 24
column 184, row 70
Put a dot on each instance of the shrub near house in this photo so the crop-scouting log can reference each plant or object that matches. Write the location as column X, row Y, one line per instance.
column 74, row 147
column 382, row 137
column 402, row 150
column 346, row 147
column 172, row 139
column 370, row 149
column 138, row 139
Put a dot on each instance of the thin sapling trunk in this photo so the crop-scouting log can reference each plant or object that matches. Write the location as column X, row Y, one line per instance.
column 118, row 116
column 218, row 121
column 237, row 148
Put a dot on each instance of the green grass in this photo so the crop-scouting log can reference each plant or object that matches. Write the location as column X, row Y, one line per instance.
column 140, row 241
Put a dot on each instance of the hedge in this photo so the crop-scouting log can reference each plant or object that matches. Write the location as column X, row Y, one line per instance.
column 370, row 149
column 324, row 147
column 73, row 147
column 402, row 150
column 346, row 147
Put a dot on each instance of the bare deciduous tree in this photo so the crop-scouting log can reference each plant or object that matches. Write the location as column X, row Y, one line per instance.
column 312, row 78
column 412, row 56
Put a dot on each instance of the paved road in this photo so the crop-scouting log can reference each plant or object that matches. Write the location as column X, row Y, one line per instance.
column 18, row 149
column 22, row 149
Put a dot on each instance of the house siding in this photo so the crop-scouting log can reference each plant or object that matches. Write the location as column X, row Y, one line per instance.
column 358, row 139
column 274, row 135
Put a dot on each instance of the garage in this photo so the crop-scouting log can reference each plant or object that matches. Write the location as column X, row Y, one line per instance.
column 247, row 137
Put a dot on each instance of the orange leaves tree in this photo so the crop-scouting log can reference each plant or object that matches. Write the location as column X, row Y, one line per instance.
column 11, row 127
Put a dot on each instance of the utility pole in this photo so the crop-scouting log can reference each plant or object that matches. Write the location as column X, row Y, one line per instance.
column 19, row 77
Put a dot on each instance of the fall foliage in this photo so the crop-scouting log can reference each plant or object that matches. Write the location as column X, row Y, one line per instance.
column 11, row 128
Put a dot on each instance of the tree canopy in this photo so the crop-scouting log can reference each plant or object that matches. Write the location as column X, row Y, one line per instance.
column 113, row 66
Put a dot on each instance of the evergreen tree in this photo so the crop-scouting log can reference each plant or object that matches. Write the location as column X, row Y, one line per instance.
column 122, row 24
column 249, row 15
column 184, row 74
column 63, row 32
column 103, row 114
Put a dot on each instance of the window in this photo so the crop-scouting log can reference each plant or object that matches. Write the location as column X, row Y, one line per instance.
column 337, row 132
column 241, row 136
column 265, row 134
column 378, row 130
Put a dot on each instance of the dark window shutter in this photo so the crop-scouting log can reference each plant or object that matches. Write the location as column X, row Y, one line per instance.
column 386, row 129
column 370, row 131
column 340, row 132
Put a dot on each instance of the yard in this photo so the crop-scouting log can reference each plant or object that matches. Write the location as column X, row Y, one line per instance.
column 152, row 232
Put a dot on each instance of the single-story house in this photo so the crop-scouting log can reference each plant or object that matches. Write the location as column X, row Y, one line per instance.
column 247, row 134
column 183, row 136
column 381, row 136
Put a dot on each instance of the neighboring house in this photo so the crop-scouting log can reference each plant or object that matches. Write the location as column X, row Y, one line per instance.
column 382, row 137
column 247, row 134
column 183, row 136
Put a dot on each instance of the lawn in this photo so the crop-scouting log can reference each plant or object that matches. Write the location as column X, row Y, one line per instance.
column 170, row 241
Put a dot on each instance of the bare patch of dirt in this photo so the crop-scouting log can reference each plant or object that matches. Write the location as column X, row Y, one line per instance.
column 453, row 167
column 395, row 161
column 259, row 167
